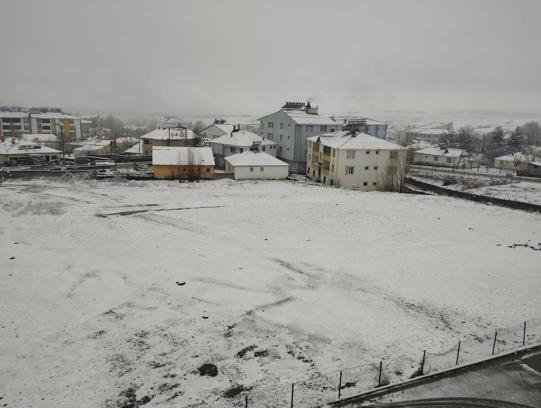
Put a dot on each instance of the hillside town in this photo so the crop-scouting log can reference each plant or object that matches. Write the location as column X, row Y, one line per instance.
column 256, row 204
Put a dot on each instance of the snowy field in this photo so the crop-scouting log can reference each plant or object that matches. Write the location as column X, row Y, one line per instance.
column 277, row 282
column 523, row 191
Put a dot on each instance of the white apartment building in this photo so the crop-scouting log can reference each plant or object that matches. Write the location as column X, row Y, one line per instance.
column 53, row 122
column 14, row 124
column 290, row 127
column 355, row 160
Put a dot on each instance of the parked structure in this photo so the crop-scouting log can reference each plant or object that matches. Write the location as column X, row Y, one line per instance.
column 239, row 141
column 440, row 156
column 13, row 151
column 291, row 126
column 256, row 165
column 355, row 160
column 176, row 137
column 187, row 163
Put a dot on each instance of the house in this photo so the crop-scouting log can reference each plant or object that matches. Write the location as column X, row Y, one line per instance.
column 440, row 156
column 255, row 164
column 517, row 161
column 533, row 169
column 23, row 152
column 176, row 137
column 369, row 126
column 291, row 126
column 188, row 163
column 217, row 129
column 239, row 141
column 355, row 160
column 429, row 132
column 94, row 148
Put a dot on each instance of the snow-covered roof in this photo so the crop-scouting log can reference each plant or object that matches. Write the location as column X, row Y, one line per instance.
column 8, row 148
column 7, row 114
column 40, row 137
column 182, row 156
column 304, row 118
column 512, row 157
column 53, row 115
column 254, row 159
column 537, row 164
column 439, row 151
column 369, row 121
column 165, row 134
column 135, row 149
column 241, row 138
column 92, row 146
column 430, row 131
column 361, row 141
column 418, row 145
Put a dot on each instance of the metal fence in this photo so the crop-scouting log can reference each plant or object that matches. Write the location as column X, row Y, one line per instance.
column 320, row 389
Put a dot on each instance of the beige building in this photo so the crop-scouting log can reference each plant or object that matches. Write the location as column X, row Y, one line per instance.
column 517, row 161
column 355, row 160
column 173, row 137
column 184, row 163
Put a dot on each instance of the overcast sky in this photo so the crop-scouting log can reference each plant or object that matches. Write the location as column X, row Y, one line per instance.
column 233, row 57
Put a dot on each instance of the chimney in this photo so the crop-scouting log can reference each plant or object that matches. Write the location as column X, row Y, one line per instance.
column 311, row 110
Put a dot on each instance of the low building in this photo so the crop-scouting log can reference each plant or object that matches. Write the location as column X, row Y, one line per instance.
column 94, row 148
column 440, row 156
column 183, row 163
column 355, row 160
column 170, row 137
column 517, row 161
column 239, row 141
column 217, row 129
column 23, row 152
column 44, row 139
column 256, row 165
column 429, row 132
column 533, row 169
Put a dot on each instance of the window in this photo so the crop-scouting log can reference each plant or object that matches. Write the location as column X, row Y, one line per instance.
column 349, row 169
column 241, row 150
column 350, row 154
column 208, row 169
column 270, row 136
column 288, row 136
column 270, row 125
column 368, row 152
column 323, row 128
column 281, row 137
column 394, row 155
column 263, row 148
column 365, row 184
column 146, row 141
column 326, row 150
column 332, row 130
column 233, row 150
column 366, row 167
column 436, row 158
column 313, row 173
column 374, row 183
column 309, row 128
column 251, row 169
column 377, row 151
column 375, row 167
column 281, row 125
column 448, row 160
column 261, row 169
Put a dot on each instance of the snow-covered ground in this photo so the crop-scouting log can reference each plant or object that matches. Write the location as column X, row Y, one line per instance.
column 521, row 191
column 283, row 282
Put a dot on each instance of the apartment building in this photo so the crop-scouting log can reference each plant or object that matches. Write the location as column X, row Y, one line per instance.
column 290, row 127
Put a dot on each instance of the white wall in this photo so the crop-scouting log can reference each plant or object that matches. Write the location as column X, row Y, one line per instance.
column 268, row 173
column 435, row 160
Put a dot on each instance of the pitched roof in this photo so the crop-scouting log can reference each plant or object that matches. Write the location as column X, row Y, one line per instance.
column 182, row 156
column 242, row 138
column 92, row 146
column 53, row 115
column 163, row 134
column 361, row 141
column 512, row 157
column 24, row 147
column 441, row 151
column 254, row 159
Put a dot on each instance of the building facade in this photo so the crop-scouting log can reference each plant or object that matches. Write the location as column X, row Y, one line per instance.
column 168, row 137
column 355, row 160
column 239, row 141
column 440, row 156
column 183, row 163
column 256, row 165
column 290, row 127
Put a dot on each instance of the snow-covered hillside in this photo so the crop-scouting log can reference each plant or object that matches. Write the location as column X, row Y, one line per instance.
column 118, row 293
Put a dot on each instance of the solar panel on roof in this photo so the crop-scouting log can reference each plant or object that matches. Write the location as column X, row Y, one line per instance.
column 293, row 105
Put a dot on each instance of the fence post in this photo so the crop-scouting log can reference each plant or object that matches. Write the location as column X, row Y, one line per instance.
column 423, row 363
column 292, row 392
column 458, row 352
column 379, row 375
column 524, row 335
column 340, row 385
column 494, row 344
column 246, row 405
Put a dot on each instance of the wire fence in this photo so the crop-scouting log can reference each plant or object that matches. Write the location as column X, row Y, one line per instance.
column 320, row 389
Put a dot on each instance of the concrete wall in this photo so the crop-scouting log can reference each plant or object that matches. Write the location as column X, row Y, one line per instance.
column 435, row 160
column 260, row 173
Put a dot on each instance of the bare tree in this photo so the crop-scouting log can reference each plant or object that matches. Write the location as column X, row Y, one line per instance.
column 393, row 178
column 193, row 170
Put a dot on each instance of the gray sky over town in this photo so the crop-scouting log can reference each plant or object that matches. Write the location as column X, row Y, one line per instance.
column 233, row 57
